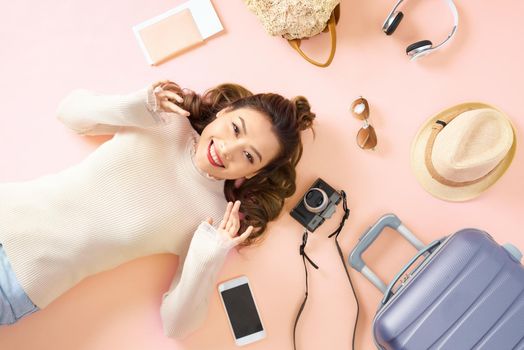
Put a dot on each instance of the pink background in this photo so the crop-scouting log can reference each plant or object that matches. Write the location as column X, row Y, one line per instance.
column 50, row 47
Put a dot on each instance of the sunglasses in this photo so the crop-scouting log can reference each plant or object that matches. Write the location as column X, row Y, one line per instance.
column 366, row 136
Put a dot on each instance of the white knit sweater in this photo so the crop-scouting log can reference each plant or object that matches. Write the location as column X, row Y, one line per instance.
column 138, row 194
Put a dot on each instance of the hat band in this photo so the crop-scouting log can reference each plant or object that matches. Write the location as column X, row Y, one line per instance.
column 436, row 128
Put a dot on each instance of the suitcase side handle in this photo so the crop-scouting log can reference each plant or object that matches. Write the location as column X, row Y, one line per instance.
column 369, row 236
column 429, row 248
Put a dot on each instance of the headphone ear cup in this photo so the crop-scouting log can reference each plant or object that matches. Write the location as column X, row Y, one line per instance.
column 413, row 48
column 391, row 24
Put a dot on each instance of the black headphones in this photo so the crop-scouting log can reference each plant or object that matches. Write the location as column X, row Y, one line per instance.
column 423, row 47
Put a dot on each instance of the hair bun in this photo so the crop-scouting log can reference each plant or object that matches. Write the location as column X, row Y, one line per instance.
column 303, row 113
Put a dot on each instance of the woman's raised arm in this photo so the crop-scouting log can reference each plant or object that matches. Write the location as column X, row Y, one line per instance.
column 184, row 306
column 90, row 113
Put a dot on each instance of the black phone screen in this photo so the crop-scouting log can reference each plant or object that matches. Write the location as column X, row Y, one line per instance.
column 241, row 310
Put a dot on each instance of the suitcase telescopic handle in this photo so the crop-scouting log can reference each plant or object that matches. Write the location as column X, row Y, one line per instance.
column 369, row 236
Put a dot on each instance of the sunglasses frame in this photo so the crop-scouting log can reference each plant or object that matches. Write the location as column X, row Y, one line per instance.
column 364, row 117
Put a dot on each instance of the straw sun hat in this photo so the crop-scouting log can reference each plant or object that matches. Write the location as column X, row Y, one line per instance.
column 463, row 150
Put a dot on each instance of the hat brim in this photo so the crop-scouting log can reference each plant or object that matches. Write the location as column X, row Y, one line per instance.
column 449, row 193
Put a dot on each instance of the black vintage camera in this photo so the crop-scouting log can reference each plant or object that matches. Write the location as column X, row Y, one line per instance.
column 318, row 204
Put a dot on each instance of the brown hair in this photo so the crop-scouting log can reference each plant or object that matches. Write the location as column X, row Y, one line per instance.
column 263, row 195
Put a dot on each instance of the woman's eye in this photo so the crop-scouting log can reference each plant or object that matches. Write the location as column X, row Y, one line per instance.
column 249, row 157
column 235, row 129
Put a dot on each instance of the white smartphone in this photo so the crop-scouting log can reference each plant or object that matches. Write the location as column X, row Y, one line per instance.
column 241, row 311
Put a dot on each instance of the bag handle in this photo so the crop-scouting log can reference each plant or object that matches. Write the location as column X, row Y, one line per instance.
column 295, row 43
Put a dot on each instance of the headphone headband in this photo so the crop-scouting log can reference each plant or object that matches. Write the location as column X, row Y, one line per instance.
column 393, row 20
column 454, row 12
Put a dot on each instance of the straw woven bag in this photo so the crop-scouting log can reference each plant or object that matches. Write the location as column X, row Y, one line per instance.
column 296, row 20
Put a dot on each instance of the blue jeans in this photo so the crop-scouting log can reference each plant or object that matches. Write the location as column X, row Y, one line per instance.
column 14, row 302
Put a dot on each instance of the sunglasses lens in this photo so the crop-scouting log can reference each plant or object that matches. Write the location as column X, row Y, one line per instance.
column 360, row 108
column 367, row 138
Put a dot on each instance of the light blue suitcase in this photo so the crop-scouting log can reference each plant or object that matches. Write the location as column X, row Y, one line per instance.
column 467, row 293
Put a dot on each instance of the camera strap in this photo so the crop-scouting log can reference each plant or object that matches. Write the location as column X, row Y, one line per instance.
column 339, row 250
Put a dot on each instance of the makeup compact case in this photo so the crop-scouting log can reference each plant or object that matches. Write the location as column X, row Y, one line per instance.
column 463, row 291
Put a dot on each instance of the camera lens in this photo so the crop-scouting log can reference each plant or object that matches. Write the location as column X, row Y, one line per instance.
column 316, row 200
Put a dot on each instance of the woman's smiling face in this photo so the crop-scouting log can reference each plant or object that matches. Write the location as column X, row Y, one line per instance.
column 236, row 144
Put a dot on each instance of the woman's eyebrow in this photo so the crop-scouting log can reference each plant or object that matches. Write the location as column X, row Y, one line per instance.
column 245, row 133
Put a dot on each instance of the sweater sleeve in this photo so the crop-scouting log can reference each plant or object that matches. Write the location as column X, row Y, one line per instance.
column 184, row 306
column 89, row 113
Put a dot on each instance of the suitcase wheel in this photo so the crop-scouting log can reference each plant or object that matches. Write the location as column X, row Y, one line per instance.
column 513, row 251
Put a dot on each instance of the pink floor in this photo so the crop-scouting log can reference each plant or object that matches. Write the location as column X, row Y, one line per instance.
column 49, row 47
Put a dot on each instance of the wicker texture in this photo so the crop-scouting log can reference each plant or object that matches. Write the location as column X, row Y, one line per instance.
column 293, row 19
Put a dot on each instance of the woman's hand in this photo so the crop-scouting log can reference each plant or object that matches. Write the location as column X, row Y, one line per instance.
column 230, row 224
column 166, row 97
